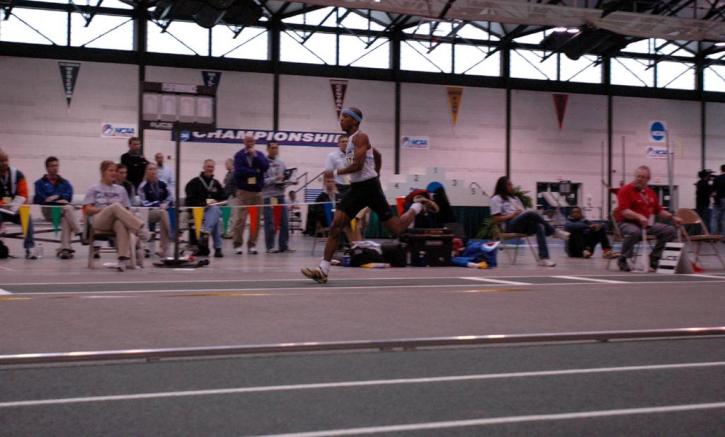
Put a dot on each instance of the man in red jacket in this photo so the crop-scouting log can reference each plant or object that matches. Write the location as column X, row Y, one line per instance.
column 637, row 206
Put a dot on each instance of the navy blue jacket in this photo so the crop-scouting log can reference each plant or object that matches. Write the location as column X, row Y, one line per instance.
column 44, row 188
column 149, row 198
column 244, row 170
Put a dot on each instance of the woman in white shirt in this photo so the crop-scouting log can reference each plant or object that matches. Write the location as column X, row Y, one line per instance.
column 508, row 211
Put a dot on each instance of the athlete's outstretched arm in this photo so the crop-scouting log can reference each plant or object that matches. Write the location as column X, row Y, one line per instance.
column 362, row 144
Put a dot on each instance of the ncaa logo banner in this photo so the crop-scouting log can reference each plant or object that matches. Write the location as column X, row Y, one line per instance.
column 657, row 152
column 117, row 130
column 421, row 143
column 284, row 138
column 658, row 131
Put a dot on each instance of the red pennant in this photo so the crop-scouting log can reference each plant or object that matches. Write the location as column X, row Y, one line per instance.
column 253, row 219
column 560, row 101
column 277, row 217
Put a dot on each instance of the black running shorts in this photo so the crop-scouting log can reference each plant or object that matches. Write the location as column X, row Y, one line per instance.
column 366, row 193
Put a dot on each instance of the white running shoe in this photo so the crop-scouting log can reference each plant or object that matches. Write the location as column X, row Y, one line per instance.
column 546, row 263
column 315, row 273
column 562, row 235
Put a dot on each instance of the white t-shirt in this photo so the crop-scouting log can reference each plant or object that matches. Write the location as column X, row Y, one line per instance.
column 335, row 161
column 102, row 195
column 501, row 206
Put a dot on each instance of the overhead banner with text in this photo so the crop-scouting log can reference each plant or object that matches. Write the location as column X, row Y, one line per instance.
column 69, row 74
column 284, row 138
column 455, row 94
column 339, row 88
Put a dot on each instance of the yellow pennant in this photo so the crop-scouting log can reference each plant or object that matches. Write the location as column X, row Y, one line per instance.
column 455, row 95
column 24, row 218
column 353, row 225
column 198, row 218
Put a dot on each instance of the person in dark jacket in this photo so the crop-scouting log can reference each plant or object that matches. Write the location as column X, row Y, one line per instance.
column 585, row 235
column 134, row 161
column 53, row 190
column 250, row 166
column 205, row 191
column 154, row 193
column 703, row 194
column 13, row 194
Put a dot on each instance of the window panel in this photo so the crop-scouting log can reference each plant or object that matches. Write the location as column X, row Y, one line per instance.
column 715, row 78
column 51, row 27
column 414, row 56
column 675, row 75
column 472, row 32
column 581, row 70
column 632, row 72
column 356, row 21
column 118, row 32
column 353, row 52
column 527, row 64
column 472, row 60
column 181, row 38
column 314, row 17
column 319, row 49
column 250, row 44
column 118, row 4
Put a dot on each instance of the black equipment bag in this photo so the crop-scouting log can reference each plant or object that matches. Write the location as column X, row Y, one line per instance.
column 395, row 253
column 429, row 247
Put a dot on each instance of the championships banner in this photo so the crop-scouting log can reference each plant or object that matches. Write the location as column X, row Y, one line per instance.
column 284, row 138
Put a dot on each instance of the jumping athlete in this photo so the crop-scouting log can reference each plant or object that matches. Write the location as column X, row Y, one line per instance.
column 365, row 190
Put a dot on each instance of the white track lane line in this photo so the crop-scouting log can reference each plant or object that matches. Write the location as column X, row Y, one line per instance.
column 346, row 384
column 506, row 420
column 494, row 281
column 4, row 291
column 698, row 275
column 586, row 279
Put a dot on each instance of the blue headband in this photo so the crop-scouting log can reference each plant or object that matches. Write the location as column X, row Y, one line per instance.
column 352, row 114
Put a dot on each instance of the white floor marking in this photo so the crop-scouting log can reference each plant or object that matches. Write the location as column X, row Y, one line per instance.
column 698, row 275
column 581, row 278
column 346, row 384
column 329, row 287
column 7, row 269
column 494, row 281
column 4, row 291
column 507, row 419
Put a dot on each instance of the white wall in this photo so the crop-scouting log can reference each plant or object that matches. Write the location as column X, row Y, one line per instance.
column 35, row 121
column 715, row 128
column 474, row 150
column 632, row 119
column 541, row 152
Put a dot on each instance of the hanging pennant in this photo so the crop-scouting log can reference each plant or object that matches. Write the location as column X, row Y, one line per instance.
column 198, row 212
column 455, row 95
column 226, row 214
column 560, row 101
column 24, row 212
column 253, row 219
column 69, row 74
column 211, row 78
column 339, row 88
column 55, row 213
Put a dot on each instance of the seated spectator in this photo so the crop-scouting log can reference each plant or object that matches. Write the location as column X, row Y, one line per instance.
column 508, row 212
column 637, row 205
column 320, row 213
column 107, row 204
column 585, row 235
column 204, row 191
column 52, row 189
column 154, row 193
column 122, row 180
column 13, row 194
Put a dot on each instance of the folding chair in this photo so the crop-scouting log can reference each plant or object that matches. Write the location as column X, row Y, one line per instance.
column 501, row 236
column 93, row 235
column 690, row 217
column 617, row 237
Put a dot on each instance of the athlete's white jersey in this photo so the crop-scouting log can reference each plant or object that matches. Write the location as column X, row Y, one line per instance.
column 368, row 170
